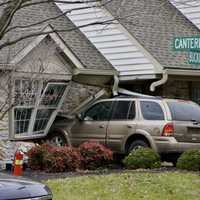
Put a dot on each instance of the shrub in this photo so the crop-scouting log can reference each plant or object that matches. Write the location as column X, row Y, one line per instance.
column 36, row 156
column 95, row 155
column 54, row 159
column 189, row 160
column 62, row 159
column 142, row 158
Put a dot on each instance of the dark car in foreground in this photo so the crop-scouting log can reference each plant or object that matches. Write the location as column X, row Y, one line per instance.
column 15, row 189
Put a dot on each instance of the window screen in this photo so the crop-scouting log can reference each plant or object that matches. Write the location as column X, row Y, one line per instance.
column 99, row 112
column 151, row 110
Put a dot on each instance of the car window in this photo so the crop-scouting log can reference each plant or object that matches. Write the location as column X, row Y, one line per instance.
column 151, row 110
column 99, row 112
column 131, row 114
column 184, row 111
column 120, row 111
column 123, row 110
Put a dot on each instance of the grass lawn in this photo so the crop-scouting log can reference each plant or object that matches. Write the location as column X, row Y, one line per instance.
column 128, row 186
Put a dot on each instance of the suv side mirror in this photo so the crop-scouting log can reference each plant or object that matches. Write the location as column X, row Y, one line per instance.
column 80, row 117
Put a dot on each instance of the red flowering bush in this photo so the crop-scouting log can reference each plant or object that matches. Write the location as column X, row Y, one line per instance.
column 36, row 156
column 54, row 159
column 95, row 155
column 89, row 155
column 62, row 159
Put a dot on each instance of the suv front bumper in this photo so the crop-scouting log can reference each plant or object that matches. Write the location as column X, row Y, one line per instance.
column 171, row 145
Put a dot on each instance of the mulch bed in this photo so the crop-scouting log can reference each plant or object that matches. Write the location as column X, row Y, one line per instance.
column 42, row 176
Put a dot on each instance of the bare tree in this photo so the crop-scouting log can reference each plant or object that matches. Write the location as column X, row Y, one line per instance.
column 9, row 9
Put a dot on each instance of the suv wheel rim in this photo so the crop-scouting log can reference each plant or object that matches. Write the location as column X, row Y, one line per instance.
column 58, row 141
column 137, row 147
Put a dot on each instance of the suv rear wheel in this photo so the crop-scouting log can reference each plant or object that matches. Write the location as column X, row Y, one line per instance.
column 137, row 144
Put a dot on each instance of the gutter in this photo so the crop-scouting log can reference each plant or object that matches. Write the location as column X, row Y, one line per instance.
column 115, row 85
column 162, row 81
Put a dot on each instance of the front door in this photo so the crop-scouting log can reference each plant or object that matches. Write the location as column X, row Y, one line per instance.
column 93, row 125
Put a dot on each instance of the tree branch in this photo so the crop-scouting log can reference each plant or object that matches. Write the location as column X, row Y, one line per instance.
column 55, row 17
column 8, row 43
column 7, row 16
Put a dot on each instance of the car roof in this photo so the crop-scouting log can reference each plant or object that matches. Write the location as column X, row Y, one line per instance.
column 129, row 97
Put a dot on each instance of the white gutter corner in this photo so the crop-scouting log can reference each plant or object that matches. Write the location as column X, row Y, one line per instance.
column 162, row 81
column 115, row 85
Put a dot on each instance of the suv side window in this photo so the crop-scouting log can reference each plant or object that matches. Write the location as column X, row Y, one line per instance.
column 99, row 112
column 123, row 110
column 151, row 110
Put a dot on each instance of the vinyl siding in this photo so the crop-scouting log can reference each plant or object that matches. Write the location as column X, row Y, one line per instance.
column 110, row 40
column 190, row 8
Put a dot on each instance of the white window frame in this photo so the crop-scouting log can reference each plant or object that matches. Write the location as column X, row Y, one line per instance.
column 31, row 134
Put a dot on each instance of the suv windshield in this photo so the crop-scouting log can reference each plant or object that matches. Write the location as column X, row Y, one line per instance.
column 184, row 111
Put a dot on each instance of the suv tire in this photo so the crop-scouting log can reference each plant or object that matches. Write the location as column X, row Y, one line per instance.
column 137, row 144
column 57, row 139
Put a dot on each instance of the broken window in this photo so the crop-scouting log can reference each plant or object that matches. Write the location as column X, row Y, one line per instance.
column 35, row 106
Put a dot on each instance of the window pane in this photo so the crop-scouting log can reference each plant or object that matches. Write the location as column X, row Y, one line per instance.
column 100, row 111
column 42, row 118
column 151, row 110
column 22, row 118
column 196, row 94
column 26, row 92
column 53, row 94
column 121, row 110
column 131, row 114
column 184, row 111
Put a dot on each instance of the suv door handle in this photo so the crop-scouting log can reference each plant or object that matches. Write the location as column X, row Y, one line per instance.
column 129, row 126
column 101, row 126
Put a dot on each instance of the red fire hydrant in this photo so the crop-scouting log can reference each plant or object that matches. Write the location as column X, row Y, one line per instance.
column 18, row 163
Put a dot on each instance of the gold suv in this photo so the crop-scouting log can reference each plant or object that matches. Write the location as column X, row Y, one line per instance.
column 126, row 123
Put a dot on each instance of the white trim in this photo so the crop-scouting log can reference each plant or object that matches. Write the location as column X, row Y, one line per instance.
column 57, row 40
column 95, row 72
column 182, row 72
column 138, row 77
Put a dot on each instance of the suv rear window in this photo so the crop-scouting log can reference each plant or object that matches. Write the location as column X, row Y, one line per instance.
column 184, row 111
column 151, row 110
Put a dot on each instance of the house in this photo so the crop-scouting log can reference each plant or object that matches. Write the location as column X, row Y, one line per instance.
column 41, row 72
column 139, row 45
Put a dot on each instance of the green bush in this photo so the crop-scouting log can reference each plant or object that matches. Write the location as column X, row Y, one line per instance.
column 189, row 160
column 144, row 158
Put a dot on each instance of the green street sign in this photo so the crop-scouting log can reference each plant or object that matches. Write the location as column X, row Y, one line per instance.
column 186, row 43
column 194, row 58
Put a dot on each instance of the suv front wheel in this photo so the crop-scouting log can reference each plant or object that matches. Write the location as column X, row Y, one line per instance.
column 137, row 144
column 57, row 139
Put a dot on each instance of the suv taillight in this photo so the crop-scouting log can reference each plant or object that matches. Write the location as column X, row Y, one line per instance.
column 168, row 130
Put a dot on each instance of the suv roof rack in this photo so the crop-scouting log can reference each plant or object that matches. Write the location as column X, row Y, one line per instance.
column 123, row 93
column 137, row 97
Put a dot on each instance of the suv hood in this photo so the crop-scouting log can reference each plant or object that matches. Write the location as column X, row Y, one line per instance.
column 12, row 189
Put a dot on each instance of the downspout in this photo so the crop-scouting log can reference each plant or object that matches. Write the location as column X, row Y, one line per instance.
column 115, row 85
column 162, row 81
